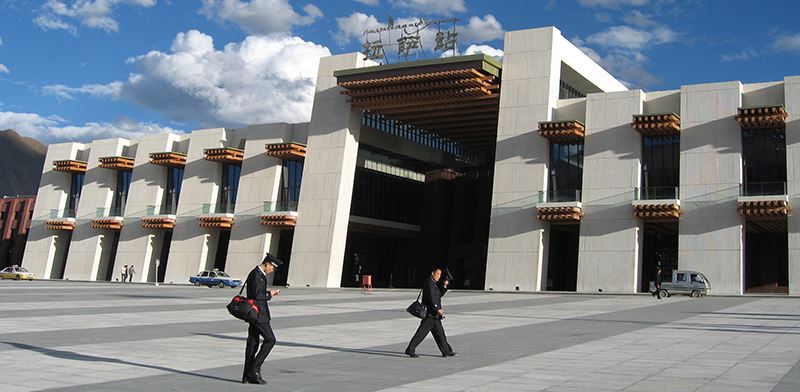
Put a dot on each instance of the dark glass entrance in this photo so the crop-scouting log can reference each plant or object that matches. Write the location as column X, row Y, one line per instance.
column 766, row 257
column 562, row 260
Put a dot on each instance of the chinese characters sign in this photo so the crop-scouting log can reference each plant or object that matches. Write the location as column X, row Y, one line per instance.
column 409, row 42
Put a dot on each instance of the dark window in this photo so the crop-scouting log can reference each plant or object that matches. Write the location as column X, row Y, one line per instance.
column 383, row 196
column 566, row 91
column 174, row 181
column 291, row 176
column 76, row 185
column 121, row 193
column 764, row 161
column 660, row 166
column 230, row 187
column 566, row 171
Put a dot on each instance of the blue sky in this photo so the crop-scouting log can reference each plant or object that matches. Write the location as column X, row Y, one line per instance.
column 86, row 69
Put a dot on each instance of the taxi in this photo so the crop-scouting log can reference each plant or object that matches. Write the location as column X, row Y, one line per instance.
column 213, row 278
column 16, row 272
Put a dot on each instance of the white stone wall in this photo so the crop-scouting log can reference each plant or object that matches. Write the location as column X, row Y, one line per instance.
column 792, row 103
column 328, row 173
column 609, row 253
column 90, row 249
column 711, row 230
column 42, row 247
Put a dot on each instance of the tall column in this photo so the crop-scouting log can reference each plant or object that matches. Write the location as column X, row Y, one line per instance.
column 791, row 87
column 139, row 246
column 328, row 174
column 89, row 252
column 608, row 257
column 531, row 73
column 259, row 183
column 193, row 246
column 41, row 249
column 711, row 229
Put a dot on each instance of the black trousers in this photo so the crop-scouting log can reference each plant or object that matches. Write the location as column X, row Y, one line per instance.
column 433, row 325
column 253, row 356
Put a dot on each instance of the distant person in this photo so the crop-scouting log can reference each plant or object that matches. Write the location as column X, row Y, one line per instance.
column 432, row 291
column 258, row 291
column 131, row 272
column 124, row 273
column 657, row 281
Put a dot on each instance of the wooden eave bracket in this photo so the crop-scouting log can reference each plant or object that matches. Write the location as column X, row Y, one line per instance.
column 168, row 158
column 657, row 124
column 218, row 222
column 562, row 131
column 107, row 223
column 59, row 224
column 765, row 117
column 283, row 221
column 764, row 209
column 224, row 155
column 286, row 150
column 569, row 214
column 118, row 163
column 70, row 166
column 158, row 223
column 657, row 211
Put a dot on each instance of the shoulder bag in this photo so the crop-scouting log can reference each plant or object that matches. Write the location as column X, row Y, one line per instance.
column 417, row 308
column 243, row 308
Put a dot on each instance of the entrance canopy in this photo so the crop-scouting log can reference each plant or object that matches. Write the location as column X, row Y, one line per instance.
column 456, row 98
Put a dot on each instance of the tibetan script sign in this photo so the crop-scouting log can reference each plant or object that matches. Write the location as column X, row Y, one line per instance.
column 409, row 44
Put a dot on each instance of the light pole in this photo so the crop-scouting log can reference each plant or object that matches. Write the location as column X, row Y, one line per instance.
column 158, row 262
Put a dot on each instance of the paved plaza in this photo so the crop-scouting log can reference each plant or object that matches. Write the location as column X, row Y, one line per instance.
column 70, row 336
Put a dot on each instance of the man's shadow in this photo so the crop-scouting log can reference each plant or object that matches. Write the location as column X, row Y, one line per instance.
column 71, row 355
column 364, row 351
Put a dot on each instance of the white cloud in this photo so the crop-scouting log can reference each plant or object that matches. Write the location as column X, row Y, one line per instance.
column 612, row 3
column 625, row 65
column 485, row 49
column 744, row 55
column 787, row 43
column 429, row 7
column 368, row 2
column 638, row 18
column 95, row 14
column 54, row 129
column 260, row 17
column 630, row 38
column 111, row 90
column 1, row 41
column 4, row 69
column 261, row 79
column 481, row 29
column 352, row 27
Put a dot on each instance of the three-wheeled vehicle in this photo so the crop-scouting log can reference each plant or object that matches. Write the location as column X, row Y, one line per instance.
column 691, row 283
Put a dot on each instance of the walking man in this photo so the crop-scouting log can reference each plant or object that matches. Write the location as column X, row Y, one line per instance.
column 124, row 273
column 130, row 273
column 657, row 281
column 260, row 328
column 432, row 292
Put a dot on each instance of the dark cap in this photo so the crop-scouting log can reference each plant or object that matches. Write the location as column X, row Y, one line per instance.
column 272, row 260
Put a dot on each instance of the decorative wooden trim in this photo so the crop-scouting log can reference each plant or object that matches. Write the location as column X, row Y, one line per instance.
column 570, row 214
column 765, row 117
column 657, row 211
column 286, row 150
column 412, row 78
column 118, row 163
column 158, row 222
column 214, row 221
column 224, row 155
column 59, row 224
column 446, row 174
column 657, row 124
column 764, row 209
column 70, row 166
column 107, row 223
column 168, row 158
column 283, row 221
column 562, row 131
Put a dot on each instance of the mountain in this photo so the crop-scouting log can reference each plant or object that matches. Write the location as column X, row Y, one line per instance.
column 21, row 162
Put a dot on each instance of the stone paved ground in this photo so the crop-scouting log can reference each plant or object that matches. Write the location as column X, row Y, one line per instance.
column 71, row 336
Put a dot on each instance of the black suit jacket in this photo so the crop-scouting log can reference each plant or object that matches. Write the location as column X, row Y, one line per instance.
column 257, row 290
column 432, row 293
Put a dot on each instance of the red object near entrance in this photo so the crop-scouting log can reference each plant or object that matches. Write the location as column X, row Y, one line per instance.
column 366, row 284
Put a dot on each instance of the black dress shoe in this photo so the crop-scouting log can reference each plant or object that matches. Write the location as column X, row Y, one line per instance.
column 253, row 381
column 412, row 355
column 450, row 354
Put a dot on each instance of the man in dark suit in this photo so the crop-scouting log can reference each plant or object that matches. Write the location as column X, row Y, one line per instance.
column 260, row 328
column 432, row 292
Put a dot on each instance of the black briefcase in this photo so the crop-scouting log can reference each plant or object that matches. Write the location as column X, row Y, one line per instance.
column 417, row 308
column 243, row 308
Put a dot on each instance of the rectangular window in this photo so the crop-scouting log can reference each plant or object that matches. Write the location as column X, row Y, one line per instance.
column 291, row 177
column 121, row 193
column 764, row 161
column 76, row 185
column 173, row 191
column 660, row 166
column 566, row 172
column 229, row 188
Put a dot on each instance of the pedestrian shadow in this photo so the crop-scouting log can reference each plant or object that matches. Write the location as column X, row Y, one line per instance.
column 74, row 356
column 365, row 351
